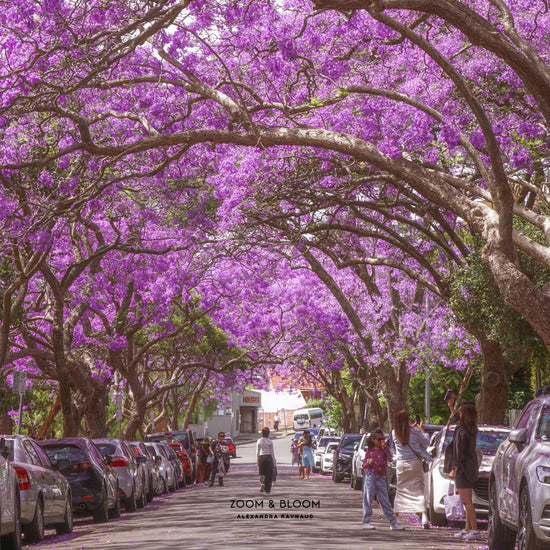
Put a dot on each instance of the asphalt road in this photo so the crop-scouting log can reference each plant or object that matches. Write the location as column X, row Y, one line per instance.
column 299, row 515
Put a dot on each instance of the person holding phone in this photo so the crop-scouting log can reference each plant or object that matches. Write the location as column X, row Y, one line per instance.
column 408, row 444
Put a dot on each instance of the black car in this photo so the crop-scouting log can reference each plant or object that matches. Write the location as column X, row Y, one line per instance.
column 341, row 465
column 93, row 482
column 185, row 437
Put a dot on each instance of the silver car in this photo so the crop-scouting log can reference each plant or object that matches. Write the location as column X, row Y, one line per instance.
column 356, row 478
column 519, row 486
column 322, row 442
column 45, row 493
column 152, row 469
column 166, row 468
column 328, row 457
column 129, row 470
column 10, row 516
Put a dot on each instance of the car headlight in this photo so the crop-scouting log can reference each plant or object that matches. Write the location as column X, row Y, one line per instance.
column 543, row 473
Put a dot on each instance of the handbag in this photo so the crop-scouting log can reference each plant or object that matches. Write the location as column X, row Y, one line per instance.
column 423, row 461
column 454, row 507
column 210, row 459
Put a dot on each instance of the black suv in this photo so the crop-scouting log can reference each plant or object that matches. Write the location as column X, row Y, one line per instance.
column 343, row 454
column 185, row 437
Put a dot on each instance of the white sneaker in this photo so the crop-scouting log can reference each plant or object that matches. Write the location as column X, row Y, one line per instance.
column 460, row 534
column 425, row 521
column 396, row 526
column 472, row 535
column 262, row 488
column 368, row 525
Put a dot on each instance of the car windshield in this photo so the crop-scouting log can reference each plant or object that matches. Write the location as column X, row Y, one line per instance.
column 181, row 438
column 487, row 441
column 348, row 442
column 68, row 452
column 325, row 441
column 543, row 432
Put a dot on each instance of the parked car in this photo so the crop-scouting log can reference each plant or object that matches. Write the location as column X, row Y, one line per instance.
column 44, row 493
column 360, row 448
column 488, row 440
column 341, row 465
column 319, row 451
column 185, row 460
column 327, row 457
column 519, row 486
column 129, row 469
column 94, row 484
column 228, row 440
column 177, row 465
column 167, row 474
column 185, row 437
column 10, row 516
column 152, row 469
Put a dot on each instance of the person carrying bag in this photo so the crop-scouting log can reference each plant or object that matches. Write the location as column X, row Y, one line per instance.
column 454, row 507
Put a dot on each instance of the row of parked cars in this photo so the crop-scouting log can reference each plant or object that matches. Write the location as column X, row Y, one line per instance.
column 513, row 490
column 44, row 483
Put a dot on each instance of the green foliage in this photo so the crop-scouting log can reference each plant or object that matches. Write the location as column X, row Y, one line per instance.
column 332, row 409
column 477, row 304
column 439, row 411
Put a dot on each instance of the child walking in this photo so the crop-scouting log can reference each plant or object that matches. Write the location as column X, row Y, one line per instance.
column 375, row 465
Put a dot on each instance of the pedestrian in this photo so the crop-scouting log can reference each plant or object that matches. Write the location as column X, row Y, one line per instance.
column 295, row 452
column 220, row 451
column 375, row 465
column 305, row 443
column 276, row 423
column 204, row 468
column 265, row 456
column 465, row 467
column 409, row 443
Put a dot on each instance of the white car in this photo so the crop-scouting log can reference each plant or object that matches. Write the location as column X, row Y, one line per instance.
column 319, row 451
column 327, row 457
column 10, row 515
column 488, row 440
column 356, row 478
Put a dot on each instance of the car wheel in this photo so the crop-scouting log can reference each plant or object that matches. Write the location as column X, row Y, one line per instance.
column 67, row 525
column 130, row 504
column 499, row 537
column 34, row 531
column 527, row 539
column 115, row 512
column 13, row 541
column 101, row 514
column 439, row 520
column 142, row 502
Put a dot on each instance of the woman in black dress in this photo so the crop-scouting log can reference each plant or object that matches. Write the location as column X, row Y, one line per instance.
column 465, row 467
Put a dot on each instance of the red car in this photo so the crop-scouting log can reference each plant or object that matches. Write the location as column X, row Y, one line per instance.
column 231, row 446
column 185, row 459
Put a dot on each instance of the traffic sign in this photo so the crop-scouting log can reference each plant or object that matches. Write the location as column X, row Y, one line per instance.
column 19, row 382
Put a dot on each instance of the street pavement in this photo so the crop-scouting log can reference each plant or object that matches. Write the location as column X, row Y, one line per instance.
column 310, row 515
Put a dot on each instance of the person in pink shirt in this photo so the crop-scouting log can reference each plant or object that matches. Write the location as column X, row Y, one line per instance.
column 375, row 466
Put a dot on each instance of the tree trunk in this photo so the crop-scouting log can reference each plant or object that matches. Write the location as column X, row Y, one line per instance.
column 492, row 401
column 95, row 413
column 6, row 424
column 55, row 408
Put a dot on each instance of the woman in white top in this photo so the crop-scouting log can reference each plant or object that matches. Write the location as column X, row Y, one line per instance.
column 265, row 455
column 409, row 444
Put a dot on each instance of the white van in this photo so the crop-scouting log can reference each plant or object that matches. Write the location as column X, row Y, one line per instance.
column 308, row 418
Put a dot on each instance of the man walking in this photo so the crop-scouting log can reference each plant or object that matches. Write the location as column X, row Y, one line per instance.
column 219, row 450
column 265, row 455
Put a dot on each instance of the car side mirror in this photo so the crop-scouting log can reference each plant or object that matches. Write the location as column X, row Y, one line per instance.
column 157, row 459
column 62, row 464
column 519, row 437
column 140, row 459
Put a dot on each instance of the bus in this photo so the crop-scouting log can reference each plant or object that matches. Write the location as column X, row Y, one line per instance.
column 308, row 418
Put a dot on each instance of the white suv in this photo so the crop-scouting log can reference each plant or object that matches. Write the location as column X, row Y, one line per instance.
column 519, row 485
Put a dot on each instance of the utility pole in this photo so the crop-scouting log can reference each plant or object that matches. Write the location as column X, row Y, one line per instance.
column 427, row 403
